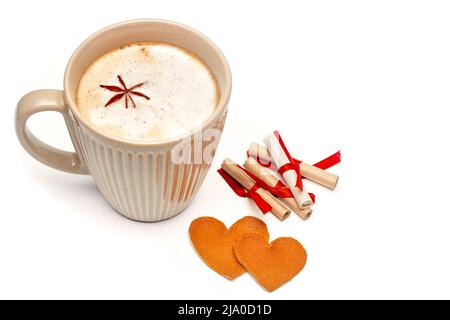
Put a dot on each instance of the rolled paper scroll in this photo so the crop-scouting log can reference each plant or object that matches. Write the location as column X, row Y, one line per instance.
column 288, row 169
column 310, row 172
column 278, row 208
column 273, row 182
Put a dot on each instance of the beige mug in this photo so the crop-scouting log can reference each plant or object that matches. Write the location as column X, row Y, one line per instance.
column 139, row 179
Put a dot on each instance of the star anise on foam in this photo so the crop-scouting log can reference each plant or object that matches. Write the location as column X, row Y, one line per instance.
column 124, row 92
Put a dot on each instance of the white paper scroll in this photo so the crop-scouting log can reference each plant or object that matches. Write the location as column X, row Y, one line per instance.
column 280, row 159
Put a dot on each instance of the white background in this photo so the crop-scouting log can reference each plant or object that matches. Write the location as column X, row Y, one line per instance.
column 371, row 78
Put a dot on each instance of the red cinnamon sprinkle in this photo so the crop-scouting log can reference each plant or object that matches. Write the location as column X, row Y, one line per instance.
column 124, row 92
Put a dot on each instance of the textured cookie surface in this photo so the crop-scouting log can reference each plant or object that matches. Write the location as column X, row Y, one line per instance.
column 214, row 242
column 272, row 265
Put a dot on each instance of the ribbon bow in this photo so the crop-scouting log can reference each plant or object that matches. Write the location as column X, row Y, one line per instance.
column 279, row 190
column 242, row 192
column 291, row 165
column 324, row 164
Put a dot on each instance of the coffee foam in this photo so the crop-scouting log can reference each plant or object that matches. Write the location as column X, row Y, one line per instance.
column 182, row 91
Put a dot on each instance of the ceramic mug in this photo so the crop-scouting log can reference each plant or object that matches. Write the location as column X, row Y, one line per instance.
column 139, row 179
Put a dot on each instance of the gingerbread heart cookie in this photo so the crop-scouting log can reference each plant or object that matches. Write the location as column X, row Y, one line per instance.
column 214, row 242
column 272, row 265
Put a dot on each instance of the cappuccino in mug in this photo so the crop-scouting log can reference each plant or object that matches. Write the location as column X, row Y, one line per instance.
column 130, row 106
column 147, row 91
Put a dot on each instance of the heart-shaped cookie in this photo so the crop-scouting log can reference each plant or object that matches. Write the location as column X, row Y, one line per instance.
column 214, row 242
column 272, row 265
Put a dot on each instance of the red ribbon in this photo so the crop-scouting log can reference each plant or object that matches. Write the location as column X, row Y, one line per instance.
column 292, row 165
column 329, row 162
column 323, row 164
column 241, row 192
column 279, row 190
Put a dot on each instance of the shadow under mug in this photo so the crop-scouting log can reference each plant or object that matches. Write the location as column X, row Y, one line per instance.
column 139, row 179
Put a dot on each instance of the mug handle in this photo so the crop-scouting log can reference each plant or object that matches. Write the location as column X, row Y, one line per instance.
column 45, row 100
